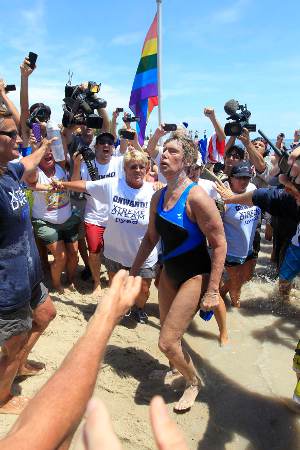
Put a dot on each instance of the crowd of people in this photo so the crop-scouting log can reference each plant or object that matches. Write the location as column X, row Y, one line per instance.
column 167, row 211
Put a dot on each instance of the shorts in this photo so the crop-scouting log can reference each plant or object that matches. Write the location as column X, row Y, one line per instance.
column 13, row 323
column 94, row 237
column 49, row 233
column 114, row 266
column 78, row 205
column 290, row 266
column 232, row 261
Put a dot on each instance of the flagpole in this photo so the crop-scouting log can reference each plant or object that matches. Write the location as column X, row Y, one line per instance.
column 159, row 42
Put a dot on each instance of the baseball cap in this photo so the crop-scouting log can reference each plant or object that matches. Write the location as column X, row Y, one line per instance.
column 104, row 138
column 243, row 169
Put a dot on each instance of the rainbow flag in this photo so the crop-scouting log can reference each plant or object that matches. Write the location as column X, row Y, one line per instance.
column 144, row 93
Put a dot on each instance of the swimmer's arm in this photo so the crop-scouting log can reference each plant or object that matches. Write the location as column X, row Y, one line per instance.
column 60, row 404
column 150, row 239
column 209, row 221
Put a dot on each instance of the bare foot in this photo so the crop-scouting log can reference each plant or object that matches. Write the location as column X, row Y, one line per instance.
column 166, row 376
column 97, row 292
column 31, row 368
column 14, row 405
column 223, row 339
column 188, row 398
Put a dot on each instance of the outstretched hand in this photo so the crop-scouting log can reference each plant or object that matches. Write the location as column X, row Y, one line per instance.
column 98, row 432
column 121, row 296
column 225, row 192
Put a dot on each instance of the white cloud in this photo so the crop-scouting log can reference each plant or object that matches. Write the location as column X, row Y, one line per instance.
column 128, row 39
column 231, row 14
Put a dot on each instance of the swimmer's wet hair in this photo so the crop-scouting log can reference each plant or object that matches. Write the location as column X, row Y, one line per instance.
column 190, row 152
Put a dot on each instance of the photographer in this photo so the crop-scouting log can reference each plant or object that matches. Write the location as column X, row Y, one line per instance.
column 25, row 306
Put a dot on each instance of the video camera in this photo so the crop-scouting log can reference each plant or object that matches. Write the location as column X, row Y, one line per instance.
column 240, row 120
column 129, row 118
column 39, row 112
column 88, row 156
column 80, row 103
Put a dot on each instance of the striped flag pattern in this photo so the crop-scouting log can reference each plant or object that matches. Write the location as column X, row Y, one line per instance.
column 144, row 93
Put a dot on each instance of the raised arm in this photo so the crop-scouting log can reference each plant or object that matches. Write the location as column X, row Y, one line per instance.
column 31, row 162
column 210, row 113
column 255, row 157
column 150, row 239
column 9, row 104
column 153, row 141
column 26, row 71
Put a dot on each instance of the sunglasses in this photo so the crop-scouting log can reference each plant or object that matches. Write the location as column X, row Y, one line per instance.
column 11, row 134
column 103, row 142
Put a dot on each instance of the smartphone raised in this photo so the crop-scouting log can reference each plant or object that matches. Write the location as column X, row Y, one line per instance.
column 126, row 134
column 10, row 87
column 32, row 59
column 119, row 110
column 36, row 129
column 170, row 127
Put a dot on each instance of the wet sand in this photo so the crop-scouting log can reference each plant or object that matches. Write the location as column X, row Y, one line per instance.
column 241, row 404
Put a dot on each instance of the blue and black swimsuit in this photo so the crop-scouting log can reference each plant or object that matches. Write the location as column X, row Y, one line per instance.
column 184, row 249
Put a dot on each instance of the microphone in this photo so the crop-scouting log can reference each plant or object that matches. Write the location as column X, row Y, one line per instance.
column 231, row 107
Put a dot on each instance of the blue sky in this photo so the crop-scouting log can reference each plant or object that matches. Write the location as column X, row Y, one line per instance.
column 212, row 51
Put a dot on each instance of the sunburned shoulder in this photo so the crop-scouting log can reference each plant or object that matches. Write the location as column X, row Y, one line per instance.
column 198, row 193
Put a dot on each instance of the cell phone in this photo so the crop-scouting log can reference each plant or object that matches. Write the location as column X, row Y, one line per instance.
column 32, row 59
column 120, row 110
column 10, row 87
column 170, row 127
column 36, row 129
column 125, row 134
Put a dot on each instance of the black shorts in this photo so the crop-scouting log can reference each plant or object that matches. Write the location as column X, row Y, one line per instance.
column 13, row 323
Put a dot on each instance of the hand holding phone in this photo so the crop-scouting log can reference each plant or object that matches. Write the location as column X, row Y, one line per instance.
column 170, row 127
column 32, row 59
column 126, row 134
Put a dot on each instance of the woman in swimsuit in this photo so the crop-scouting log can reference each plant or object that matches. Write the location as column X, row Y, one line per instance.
column 183, row 216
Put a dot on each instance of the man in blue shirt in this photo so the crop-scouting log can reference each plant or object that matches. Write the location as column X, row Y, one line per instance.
column 25, row 306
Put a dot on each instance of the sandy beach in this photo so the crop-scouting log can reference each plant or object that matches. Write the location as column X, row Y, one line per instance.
column 245, row 384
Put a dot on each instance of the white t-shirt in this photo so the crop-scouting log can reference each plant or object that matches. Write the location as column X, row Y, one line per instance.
column 209, row 187
column 53, row 207
column 240, row 222
column 96, row 212
column 128, row 218
column 157, row 159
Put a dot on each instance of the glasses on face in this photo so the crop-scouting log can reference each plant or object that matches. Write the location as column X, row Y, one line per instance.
column 11, row 134
column 105, row 143
column 137, row 166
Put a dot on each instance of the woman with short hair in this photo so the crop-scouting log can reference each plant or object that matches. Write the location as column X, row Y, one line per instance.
column 183, row 216
column 128, row 201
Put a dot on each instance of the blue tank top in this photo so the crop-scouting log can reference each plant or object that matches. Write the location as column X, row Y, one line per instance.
column 178, row 217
